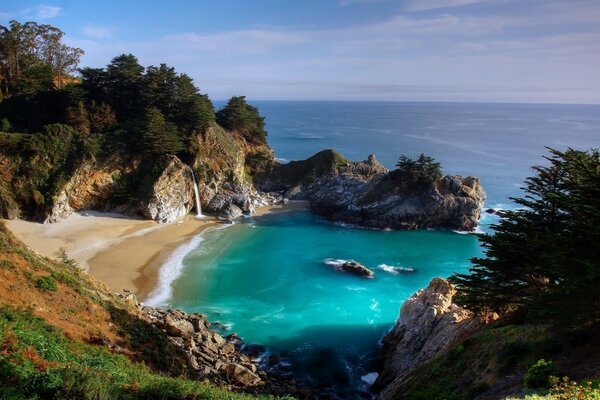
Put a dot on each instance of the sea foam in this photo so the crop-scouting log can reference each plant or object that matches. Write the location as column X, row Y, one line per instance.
column 171, row 270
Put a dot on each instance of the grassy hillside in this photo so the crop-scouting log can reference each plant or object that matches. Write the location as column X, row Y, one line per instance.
column 493, row 364
column 62, row 335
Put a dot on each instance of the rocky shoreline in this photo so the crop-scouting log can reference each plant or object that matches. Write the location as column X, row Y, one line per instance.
column 226, row 361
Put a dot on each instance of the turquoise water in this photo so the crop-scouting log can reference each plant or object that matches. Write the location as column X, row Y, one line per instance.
column 264, row 279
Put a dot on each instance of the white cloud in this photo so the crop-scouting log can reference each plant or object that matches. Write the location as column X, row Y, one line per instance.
column 98, row 32
column 46, row 12
column 237, row 42
column 427, row 5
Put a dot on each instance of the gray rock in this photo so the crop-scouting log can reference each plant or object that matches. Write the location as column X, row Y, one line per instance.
column 178, row 327
column 172, row 194
column 231, row 211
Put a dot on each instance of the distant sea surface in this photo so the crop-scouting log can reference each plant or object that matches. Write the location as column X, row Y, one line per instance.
column 265, row 279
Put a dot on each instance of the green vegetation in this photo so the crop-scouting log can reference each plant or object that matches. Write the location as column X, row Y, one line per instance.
column 121, row 112
column 306, row 171
column 38, row 362
column 544, row 259
column 422, row 171
column 33, row 58
column 565, row 389
column 46, row 283
column 240, row 117
column 540, row 374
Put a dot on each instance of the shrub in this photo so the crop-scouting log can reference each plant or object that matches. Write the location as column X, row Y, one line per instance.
column 565, row 389
column 46, row 284
column 5, row 264
column 539, row 374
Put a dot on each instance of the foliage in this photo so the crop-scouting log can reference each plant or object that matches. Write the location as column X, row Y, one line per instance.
column 46, row 283
column 33, row 58
column 539, row 374
column 423, row 170
column 565, row 389
column 244, row 119
column 544, row 258
column 160, row 136
column 5, row 125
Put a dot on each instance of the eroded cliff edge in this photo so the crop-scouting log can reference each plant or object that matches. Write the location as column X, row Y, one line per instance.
column 429, row 325
column 367, row 194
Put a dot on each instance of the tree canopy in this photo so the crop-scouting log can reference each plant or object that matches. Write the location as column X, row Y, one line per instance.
column 33, row 57
column 241, row 117
column 423, row 170
column 545, row 257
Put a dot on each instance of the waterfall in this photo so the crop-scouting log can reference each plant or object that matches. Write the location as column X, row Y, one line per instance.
column 196, row 196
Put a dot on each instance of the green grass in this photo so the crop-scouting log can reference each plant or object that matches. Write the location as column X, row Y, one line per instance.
column 464, row 372
column 46, row 283
column 38, row 362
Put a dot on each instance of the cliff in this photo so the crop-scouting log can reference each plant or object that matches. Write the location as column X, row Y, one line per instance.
column 367, row 194
column 38, row 187
column 438, row 350
column 429, row 325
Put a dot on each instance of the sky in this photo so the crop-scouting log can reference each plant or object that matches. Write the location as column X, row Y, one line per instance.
column 543, row 51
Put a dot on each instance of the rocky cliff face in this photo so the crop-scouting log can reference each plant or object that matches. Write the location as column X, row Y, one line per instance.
column 429, row 325
column 367, row 194
column 162, row 189
column 171, row 196
column 89, row 188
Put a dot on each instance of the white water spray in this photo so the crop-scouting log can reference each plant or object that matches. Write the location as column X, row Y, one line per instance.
column 196, row 196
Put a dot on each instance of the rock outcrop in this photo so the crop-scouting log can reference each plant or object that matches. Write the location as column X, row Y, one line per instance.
column 366, row 194
column 89, row 188
column 172, row 194
column 429, row 324
column 208, row 354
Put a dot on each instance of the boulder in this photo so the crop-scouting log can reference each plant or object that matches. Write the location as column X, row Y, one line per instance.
column 351, row 267
column 178, row 327
column 242, row 375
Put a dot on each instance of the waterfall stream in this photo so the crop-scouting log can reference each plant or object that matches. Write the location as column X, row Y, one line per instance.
column 196, row 196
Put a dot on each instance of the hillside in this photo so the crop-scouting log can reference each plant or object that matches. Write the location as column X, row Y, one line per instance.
column 60, row 331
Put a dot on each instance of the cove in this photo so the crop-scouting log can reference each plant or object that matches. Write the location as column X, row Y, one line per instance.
column 264, row 279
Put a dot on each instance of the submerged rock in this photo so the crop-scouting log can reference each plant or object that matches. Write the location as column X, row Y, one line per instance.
column 351, row 267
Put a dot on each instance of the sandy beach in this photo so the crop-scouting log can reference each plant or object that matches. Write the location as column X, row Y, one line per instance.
column 120, row 251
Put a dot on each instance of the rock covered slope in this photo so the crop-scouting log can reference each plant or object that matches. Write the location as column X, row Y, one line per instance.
column 367, row 194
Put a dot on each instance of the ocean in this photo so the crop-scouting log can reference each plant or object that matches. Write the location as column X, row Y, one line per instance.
column 265, row 278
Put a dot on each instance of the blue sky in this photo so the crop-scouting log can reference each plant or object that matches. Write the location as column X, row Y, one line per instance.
column 424, row 50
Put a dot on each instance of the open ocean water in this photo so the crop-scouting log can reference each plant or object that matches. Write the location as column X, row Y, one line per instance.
column 265, row 280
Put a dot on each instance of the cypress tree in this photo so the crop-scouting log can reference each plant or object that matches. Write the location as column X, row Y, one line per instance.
column 544, row 258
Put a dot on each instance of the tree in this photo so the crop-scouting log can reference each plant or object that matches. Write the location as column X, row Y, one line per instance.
column 34, row 52
column 544, row 258
column 238, row 116
column 160, row 137
column 424, row 170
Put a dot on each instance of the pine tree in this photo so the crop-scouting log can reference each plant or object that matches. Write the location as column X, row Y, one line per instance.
column 238, row 116
column 160, row 136
column 544, row 258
